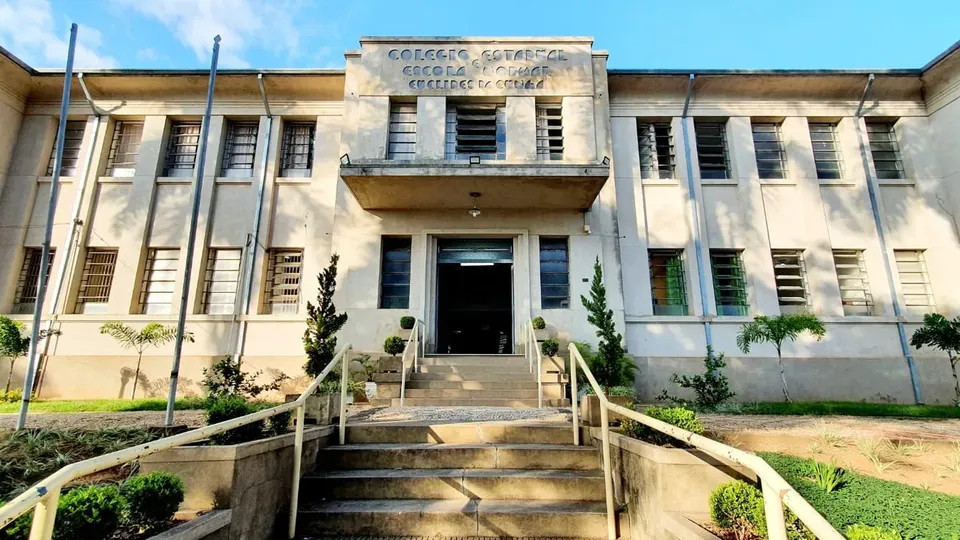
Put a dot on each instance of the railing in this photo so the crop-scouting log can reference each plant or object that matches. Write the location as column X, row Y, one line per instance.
column 532, row 350
column 45, row 495
column 411, row 351
column 776, row 490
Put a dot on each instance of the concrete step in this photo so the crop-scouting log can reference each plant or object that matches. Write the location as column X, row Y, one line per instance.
column 510, row 370
column 471, row 385
column 458, row 456
column 463, row 518
column 481, row 376
column 461, row 433
column 455, row 393
column 519, row 360
column 470, row 402
column 478, row 484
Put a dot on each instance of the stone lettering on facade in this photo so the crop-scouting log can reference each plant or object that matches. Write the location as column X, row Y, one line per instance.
column 460, row 69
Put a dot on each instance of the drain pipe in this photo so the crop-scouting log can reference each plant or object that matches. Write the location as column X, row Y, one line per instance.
column 252, row 239
column 694, row 212
column 888, row 268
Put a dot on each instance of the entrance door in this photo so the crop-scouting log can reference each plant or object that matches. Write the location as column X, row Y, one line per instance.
column 475, row 296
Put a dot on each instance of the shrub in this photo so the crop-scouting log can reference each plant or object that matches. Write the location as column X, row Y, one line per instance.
column 152, row 499
column 226, row 378
column 738, row 506
column 18, row 529
column 609, row 365
column 393, row 345
column 89, row 512
column 675, row 416
column 279, row 424
column 539, row 323
column 550, row 347
column 866, row 532
column 711, row 389
column 11, row 396
column 407, row 322
column 228, row 408
column 828, row 477
column 332, row 386
column 323, row 322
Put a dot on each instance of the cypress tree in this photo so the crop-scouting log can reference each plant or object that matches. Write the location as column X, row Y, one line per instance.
column 609, row 365
column 323, row 322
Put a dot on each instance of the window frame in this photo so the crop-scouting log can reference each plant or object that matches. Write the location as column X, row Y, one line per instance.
column 182, row 138
column 209, row 275
column 72, row 143
column 25, row 295
column 877, row 148
column 96, row 280
column 853, row 306
column 563, row 301
column 668, row 309
column 121, row 146
column 549, row 120
column 401, row 139
column 454, row 151
column 712, row 166
column 741, row 306
column 395, row 244
column 274, row 281
column 824, row 135
column 930, row 304
column 291, row 149
column 239, row 164
column 656, row 144
column 773, row 164
column 800, row 276
column 149, row 279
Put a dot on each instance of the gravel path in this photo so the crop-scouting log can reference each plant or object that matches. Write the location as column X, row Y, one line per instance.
column 458, row 414
column 853, row 426
column 99, row 420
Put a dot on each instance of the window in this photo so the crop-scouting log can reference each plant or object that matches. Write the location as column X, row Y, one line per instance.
column 790, row 275
column 402, row 140
column 712, row 150
column 124, row 149
column 282, row 291
column 220, row 281
column 182, row 149
column 477, row 129
column 729, row 283
column 768, row 146
column 854, row 288
column 72, row 140
column 156, row 285
column 885, row 150
column 549, row 131
column 26, row 296
column 657, row 158
column 239, row 148
column 554, row 273
column 395, row 273
column 296, row 156
column 668, row 283
column 94, row 292
column 914, row 282
column 826, row 151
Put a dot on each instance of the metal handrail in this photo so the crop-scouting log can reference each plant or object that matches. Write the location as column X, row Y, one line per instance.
column 530, row 343
column 776, row 490
column 45, row 494
column 412, row 348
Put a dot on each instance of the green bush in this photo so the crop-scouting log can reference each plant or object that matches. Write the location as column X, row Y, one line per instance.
column 711, row 389
column 228, row 408
column 407, row 322
column 226, row 378
column 152, row 499
column 550, row 347
column 539, row 323
column 675, row 416
column 393, row 345
column 738, row 506
column 89, row 512
column 18, row 529
column 279, row 424
column 11, row 396
column 829, row 477
column 866, row 532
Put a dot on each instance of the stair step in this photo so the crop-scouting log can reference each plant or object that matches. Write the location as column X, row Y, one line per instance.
column 461, row 433
column 483, row 484
column 470, row 402
column 471, row 385
column 458, row 393
column 474, row 361
column 481, row 376
column 509, row 370
column 462, row 456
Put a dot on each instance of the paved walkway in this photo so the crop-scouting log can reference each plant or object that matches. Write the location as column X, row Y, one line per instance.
column 101, row 420
column 848, row 426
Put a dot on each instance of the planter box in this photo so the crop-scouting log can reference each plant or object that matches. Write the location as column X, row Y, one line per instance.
column 390, row 364
column 320, row 409
column 541, row 335
column 210, row 526
column 590, row 409
column 404, row 334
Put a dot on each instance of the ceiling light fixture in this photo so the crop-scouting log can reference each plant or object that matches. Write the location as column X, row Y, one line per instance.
column 474, row 212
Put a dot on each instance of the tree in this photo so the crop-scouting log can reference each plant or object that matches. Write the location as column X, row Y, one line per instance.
column 610, row 367
column 323, row 322
column 152, row 335
column 941, row 333
column 775, row 330
column 12, row 343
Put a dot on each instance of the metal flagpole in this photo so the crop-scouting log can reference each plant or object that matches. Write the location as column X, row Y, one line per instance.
column 48, row 233
column 194, row 216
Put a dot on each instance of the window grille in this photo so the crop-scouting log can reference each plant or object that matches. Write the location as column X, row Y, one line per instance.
column 282, row 291
column 402, row 140
column 885, row 150
column 157, row 282
column 729, row 282
column 26, row 296
column 477, row 129
column 854, row 287
column 668, row 283
column 296, row 156
column 72, row 140
column 790, row 275
column 124, row 149
column 182, row 149
column 914, row 282
column 96, row 280
column 549, row 131
column 826, row 151
column 239, row 149
column 554, row 273
column 768, row 147
column 220, row 281
column 712, row 150
column 395, row 273
column 657, row 157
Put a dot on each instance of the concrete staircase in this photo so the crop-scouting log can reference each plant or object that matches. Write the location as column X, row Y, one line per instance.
column 455, row 480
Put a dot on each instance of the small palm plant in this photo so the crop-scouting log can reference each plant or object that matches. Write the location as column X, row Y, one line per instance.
column 941, row 333
column 775, row 330
column 152, row 335
column 12, row 344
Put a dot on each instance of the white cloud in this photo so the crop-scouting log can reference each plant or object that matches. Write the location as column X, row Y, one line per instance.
column 27, row 30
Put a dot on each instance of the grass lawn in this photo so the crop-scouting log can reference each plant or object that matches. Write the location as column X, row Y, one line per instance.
column 851, row 408
column 104, row 405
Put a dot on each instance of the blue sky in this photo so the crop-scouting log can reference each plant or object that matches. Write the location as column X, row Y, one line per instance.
column 705, row 34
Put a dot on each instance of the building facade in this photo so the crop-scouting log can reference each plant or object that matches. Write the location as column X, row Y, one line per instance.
column 473, row 183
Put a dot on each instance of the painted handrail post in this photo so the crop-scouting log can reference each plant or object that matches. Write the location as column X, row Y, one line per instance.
column 773, row 510
column 573, row 394
column 344, row 371
column 539, row 376
column 607, row 468
column 44, row 516
column 297, row 463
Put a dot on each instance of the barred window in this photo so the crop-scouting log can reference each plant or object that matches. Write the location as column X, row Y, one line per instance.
column 26, row 296
column 885, row 150
column 668, row 283
column 124, row 148
column 549, row 131
column 182, row 149
column 712, row 150
column 476, row 129
column 657, row 157
column 854, row 287
column 96, row 280
column 729, row 282
column 790, row 275
column 826, row 150
column 395, row 273
column 157, row 282
column 914, row 282
column 220, row 281
column 554, row 273
column 768, row 147
column 402, row 140
column 282, row 291
column 296, row 155
column 72, row 140
column 239, row 149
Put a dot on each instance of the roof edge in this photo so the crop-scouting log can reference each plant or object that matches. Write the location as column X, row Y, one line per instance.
column 13, row 58
column 777, row 72
column 204, row 72
column 941, row 57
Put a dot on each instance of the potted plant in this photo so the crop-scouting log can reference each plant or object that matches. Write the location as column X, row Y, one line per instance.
column 393, row 346
column 320, row 344
column 406, row 326
column 540, row 331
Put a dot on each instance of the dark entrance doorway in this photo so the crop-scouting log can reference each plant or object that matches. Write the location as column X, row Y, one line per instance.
column 475, row 296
